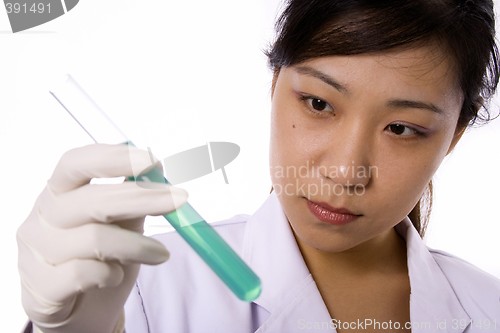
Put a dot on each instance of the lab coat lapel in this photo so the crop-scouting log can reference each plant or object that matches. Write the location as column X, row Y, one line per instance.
column 289, row 293
column 301, row 310
column 434, row 306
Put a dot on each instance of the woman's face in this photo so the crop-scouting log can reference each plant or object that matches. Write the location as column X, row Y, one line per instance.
column 356, row 139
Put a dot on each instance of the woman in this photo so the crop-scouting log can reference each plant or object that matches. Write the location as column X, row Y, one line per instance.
column 368, row 98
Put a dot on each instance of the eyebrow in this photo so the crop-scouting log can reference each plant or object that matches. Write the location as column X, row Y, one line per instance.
column 395, row 103
column 407, row 104
column 306, row 70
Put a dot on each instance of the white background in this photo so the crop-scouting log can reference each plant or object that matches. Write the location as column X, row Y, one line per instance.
column 175, row 75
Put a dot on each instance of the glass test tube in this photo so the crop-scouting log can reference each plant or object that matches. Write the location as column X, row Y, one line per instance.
column 206, row 242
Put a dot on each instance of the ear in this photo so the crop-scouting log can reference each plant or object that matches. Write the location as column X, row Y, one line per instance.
column 458, row 135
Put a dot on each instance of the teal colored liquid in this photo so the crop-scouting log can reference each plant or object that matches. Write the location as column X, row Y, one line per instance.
column 210, row 246
column 215, row 252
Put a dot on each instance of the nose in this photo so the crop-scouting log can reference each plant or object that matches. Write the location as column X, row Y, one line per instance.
column 346, row 160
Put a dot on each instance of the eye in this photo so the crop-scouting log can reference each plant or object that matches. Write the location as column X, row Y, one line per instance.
column 317, row 104
column 403, row 130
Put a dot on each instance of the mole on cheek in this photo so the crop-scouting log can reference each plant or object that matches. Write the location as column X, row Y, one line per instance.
column 293, row 125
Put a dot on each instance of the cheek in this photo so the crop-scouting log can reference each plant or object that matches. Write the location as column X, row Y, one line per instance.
column 286, row 143
column 402, row 178
column 280, row 153
column 292, row 146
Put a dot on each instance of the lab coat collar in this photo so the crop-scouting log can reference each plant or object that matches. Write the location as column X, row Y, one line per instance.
column 289, row 291
column 433, row 301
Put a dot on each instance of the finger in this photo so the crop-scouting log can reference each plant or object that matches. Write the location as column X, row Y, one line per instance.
column 55, row 284
column 136, row 225
column 103, row 242
column 108, row 203
column 78, row 166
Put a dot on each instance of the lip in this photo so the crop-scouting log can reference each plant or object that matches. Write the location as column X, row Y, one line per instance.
column 328, row 214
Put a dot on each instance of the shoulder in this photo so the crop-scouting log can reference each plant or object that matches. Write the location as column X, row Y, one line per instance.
column 460, row 270
column 477, row 290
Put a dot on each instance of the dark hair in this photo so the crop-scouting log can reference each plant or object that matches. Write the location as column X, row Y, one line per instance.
column 310, row 29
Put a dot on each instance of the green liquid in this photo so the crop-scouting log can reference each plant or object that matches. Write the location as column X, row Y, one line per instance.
column 210, row 246
column 215, row 252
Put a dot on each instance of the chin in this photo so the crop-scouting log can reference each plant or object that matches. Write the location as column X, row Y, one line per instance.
column 324, row 241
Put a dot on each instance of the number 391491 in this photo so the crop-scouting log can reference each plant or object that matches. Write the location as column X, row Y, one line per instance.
column 24, row 8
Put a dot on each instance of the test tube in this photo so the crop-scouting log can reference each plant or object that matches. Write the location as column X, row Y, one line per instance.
column 204, row 240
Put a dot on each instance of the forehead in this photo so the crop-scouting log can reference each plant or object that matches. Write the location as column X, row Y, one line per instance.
column 426, row 72
column 427, row 61
column 417, row 59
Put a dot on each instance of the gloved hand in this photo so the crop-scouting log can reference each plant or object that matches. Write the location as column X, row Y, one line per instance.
column 81, row 247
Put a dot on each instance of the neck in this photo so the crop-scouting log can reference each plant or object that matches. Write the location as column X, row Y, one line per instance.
column 367, row 281
column 382, row 256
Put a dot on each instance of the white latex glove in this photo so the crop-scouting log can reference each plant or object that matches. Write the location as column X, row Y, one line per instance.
column 81, row 247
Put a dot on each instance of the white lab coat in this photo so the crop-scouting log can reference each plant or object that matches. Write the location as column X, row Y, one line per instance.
column 184, row 295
